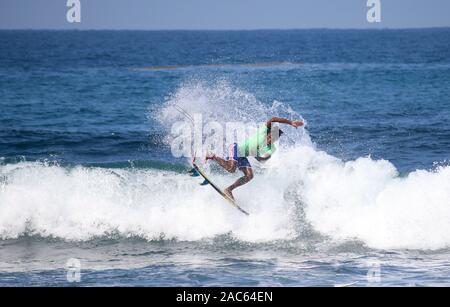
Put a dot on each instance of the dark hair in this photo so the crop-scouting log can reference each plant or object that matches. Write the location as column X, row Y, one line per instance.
column 280, row 132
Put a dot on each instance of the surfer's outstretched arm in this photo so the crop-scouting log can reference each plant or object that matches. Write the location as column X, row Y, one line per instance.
column 281, row 120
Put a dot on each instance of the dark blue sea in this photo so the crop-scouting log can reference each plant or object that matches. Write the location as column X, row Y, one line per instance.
column 89, row 183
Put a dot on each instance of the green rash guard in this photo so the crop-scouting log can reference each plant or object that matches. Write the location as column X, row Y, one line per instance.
column 256, row 145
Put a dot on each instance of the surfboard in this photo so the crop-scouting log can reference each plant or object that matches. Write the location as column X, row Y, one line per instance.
column 219, row 190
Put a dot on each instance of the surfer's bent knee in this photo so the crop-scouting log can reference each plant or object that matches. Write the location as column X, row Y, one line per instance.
column 248, row 173
column 250, row 176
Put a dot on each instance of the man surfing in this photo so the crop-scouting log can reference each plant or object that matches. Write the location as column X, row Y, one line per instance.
column 261, row 146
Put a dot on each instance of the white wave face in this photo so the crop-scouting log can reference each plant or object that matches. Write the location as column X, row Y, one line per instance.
column 367, row 200
column 83, row 203
column 362, row 199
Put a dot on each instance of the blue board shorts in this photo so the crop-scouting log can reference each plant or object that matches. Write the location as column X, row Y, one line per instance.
column 242, row 162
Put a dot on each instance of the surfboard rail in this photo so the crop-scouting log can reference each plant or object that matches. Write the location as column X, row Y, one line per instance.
column 215, row 187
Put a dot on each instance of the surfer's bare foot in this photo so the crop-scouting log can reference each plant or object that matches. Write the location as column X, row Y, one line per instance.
column 229, row 193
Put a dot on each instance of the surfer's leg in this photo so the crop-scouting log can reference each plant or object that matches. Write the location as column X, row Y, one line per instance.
column 229, row 165
column 248, row 175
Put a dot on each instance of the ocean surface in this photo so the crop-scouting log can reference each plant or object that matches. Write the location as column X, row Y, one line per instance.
column 89, row 184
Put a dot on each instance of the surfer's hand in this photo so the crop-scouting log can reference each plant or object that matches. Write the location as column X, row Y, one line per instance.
column 210, row 156
column 263, row 159
column 296, row 123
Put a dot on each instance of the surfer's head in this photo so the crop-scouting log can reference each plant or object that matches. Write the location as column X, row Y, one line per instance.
column 274, row 134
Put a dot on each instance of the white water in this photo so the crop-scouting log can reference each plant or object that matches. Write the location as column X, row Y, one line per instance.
column 362, row 199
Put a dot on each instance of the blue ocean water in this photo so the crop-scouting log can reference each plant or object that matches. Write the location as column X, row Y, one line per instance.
column 86, row 171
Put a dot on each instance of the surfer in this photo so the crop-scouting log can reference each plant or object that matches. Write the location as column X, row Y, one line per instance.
column 260, row 146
